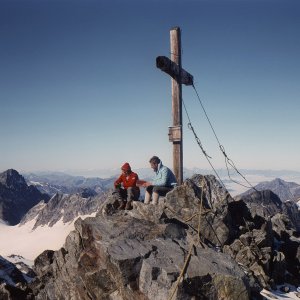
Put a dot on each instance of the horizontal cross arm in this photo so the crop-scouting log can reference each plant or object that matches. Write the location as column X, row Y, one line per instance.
column 171, row 68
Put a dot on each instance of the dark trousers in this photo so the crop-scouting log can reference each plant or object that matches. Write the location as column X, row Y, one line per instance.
column 129, row 194
column 160, row 190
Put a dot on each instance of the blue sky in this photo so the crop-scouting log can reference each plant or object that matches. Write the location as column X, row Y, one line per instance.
column 79, row 88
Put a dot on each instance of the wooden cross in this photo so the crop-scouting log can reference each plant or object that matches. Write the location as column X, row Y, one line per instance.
column 179, row 76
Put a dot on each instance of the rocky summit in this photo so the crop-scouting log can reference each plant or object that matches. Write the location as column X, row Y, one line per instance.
column 198, row 243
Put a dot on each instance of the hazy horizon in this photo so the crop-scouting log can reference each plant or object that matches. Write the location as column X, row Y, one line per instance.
column 235, row 183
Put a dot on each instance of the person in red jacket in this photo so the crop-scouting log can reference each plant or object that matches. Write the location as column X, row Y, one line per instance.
column 126, row 188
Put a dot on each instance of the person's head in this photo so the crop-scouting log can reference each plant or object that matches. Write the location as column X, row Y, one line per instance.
column 154, row 162
column 126, row 169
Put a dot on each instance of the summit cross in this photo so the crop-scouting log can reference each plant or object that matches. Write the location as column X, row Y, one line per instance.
column 179, row 76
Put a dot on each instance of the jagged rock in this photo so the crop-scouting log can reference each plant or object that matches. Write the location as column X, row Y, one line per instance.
column 278, row 268
column 26, row 270
column 291, row 250
column 87, row 192
column 12, row 282
column 42, row 264
column 269, row 229
column 283, row 189
column 259, row 274
column 16, row 197
column 207, row 276
column 9, row 273
column 185, row 204
column 139, row 253
column 9, row 292
column 137, row 258
column 282, row 225
column 262, row 204
column 64, row 207
column 291, row 210
column 267, row 204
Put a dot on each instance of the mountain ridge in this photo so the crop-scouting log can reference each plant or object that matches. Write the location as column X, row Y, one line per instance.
column 16, row 197
column 59, row 182
column 284, row 189
column 63, row 207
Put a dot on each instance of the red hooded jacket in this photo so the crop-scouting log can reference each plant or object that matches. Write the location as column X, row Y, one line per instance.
column 127, row 180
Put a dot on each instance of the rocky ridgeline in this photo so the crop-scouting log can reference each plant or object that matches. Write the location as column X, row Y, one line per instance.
column 283, row 189
column 64, row 207
column 245, row 244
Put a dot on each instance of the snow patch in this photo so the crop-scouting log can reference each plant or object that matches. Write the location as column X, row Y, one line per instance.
column 279, row 295
column 3, row 222
column 35, row 183
column 15, row 259
column 24, row 241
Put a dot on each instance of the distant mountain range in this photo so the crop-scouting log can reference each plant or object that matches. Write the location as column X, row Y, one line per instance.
column 57, row 182
column 53, row 182
column 283, row 189
column 187, row 172
column 71, row 194
column 20, row 194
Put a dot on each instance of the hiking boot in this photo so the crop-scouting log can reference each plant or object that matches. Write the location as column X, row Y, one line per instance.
column 122, row 205
column 116, row 204
column 128, row 205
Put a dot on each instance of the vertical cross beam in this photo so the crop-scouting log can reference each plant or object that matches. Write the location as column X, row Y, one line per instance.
column 175, row 41
column 179, row 76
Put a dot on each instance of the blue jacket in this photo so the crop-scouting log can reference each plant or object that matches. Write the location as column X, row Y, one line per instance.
column 164, row 177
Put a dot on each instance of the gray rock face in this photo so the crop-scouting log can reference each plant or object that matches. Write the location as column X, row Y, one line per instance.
column 141, row 253
column 64, row 207
column 291, row 210
column 216, row 224
column 16, row 197
column 268, row 229
column 262, row 204
column 12, row 282
column 9, row 273
column 26, row 270
column 136, row 260
column 283, row 189
column 267, row 204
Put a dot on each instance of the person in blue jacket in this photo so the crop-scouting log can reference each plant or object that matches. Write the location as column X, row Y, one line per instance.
column 164, row 181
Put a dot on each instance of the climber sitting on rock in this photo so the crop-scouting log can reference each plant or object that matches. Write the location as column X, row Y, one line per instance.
column 164, row 181
column 125, row 187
